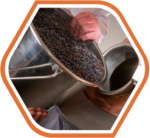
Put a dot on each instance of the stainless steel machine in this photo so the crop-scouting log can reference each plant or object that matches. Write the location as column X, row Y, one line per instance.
column 42, row 81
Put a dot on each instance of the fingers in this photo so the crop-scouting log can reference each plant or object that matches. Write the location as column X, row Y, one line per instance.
column 78, row 17
column 37, row 115
column 90, row 36
column 43, row 110
column 89, row 28
column 38, row 109
column 89, row 32
column 82, row 22
column 31, row 109
column 85, row 26
column 44, row 115
column 32, row 113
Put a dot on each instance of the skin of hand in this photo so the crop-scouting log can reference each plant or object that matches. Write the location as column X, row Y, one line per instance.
column 126, row 41
column 85, row 27
column 38, row 114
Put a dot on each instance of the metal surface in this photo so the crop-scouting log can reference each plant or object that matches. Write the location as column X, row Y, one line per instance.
column 113, row 57
column 79, row 113
column 32, row 52
column 136, row 75
column 54, row 68
column 62, row 17
column 45, row 93
column 33, row 67
column 111, row 104
column 90, row 44
column 37, row 77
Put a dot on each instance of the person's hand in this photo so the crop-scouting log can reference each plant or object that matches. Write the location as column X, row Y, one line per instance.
column 85, row 27
column 38, row 114
column 126, row 41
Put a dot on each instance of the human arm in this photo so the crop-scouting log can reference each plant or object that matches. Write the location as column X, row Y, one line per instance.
column 90, row 23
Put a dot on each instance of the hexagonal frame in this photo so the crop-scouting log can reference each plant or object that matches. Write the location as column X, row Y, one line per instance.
column 21, row 106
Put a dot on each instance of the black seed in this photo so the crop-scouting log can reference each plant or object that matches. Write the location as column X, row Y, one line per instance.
column 70, row 51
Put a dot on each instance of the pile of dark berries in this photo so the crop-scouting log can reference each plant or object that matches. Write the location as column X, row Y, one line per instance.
column 69, row 50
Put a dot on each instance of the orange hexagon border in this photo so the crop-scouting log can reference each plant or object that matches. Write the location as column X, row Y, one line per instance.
column 3, row 74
